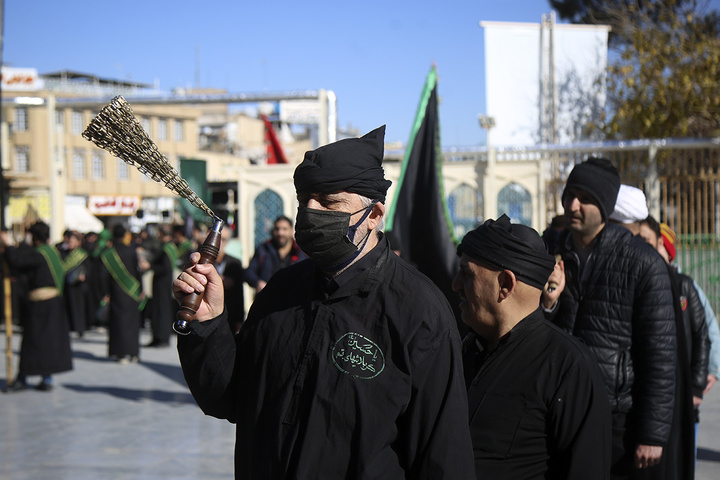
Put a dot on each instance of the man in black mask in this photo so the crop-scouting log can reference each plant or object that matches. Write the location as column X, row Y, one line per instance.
column 537, row 403
column 348, row 365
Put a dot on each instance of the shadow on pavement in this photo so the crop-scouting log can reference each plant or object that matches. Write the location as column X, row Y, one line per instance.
column 133, row 394
column 171, row 372
column 91, row 340
column 708, row 455
column 90, row 356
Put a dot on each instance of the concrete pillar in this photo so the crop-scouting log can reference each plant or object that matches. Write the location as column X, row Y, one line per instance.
column 58, row 184
column 652, row 185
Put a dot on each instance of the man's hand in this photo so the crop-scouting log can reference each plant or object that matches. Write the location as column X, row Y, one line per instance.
column 201, row 278
column 554, row 286
column 647, row 455
column 261, row 284
column 711, row 379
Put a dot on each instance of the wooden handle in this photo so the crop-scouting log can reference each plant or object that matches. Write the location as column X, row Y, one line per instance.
column 191, row 302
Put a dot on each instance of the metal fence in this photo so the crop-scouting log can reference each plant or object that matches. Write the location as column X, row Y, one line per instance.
column 681, row 179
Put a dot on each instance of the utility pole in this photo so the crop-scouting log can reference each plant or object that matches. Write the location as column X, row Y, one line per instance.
column 489, row 189
column 4, row 194
column 548, row 90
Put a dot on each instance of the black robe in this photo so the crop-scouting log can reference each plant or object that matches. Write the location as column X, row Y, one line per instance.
column 164, row 306
column 77, row 296
column 124, row 322
column 45, row 347
column 97, row 288
column 233, row 275
column 357, row 377
column 538, row 406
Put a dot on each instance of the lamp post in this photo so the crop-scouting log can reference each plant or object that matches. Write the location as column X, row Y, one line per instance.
column 487, row 122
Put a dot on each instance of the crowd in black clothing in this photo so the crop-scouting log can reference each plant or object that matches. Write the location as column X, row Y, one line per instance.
column 587, row 356
column 120, row 282
column 578, row 364
column 617, row 290
column 113, row 281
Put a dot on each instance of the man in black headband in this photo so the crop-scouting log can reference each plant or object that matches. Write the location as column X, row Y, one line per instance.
column 348, row 365
column 536, row 400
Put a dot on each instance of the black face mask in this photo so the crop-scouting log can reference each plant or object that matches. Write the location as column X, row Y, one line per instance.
column 327, row 237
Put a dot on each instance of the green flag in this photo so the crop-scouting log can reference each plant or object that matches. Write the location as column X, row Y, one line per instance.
column 418, row 217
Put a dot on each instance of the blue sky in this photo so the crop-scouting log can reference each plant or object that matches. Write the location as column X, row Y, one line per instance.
column 373, row 54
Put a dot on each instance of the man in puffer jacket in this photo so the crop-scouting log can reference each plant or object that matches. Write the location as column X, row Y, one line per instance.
column 613, row 292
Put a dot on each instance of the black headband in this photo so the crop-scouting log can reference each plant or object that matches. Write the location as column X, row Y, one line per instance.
column 350, row 165
column 511, row 247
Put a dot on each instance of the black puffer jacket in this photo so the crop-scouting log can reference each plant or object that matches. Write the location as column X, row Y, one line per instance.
column 624, row 312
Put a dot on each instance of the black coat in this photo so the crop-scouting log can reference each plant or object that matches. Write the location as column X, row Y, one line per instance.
column 353, row 378
column 678, row 461
column 266, row 261
column 623, row 311
column 697, row 341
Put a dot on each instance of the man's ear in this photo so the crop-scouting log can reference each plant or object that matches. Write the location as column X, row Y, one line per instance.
column 507, row 282
column 376, row 215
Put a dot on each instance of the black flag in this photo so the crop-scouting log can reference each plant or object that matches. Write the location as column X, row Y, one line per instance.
column 418, row 221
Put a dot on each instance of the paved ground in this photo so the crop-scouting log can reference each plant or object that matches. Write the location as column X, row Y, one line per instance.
column 106, row 421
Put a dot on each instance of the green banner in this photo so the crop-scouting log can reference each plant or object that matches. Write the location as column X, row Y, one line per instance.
column 195, row 174
column 121, row 275
column 55, row 263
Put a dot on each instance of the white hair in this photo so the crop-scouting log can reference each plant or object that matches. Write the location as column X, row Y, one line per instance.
column 366, row 201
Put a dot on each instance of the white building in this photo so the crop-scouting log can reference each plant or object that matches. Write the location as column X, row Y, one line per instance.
column 544, row 81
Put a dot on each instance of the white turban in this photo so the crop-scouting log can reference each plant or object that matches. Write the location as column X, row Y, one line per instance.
column 631, row 205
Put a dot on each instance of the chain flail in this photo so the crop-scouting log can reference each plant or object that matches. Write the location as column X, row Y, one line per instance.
column 116, row 130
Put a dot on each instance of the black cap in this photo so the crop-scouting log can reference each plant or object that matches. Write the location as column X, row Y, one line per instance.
column 600, row 179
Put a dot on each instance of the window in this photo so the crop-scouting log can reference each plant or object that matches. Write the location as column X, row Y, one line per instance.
column 268, row 206
column 162, row 133
column 77, row 123
column 145, row 122
column 464, row 206
column 22, row 159
column 516, row 202
column 21, row 120
column 78, row 164
column 179, row 132
column 98, row 166
column 123, row 170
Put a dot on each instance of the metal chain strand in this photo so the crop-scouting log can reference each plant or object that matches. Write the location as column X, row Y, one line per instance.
column 116, row 130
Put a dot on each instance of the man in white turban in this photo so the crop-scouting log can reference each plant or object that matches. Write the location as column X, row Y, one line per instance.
column 630, row 208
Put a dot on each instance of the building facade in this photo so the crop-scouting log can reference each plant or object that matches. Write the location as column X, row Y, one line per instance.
column 52, row 173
